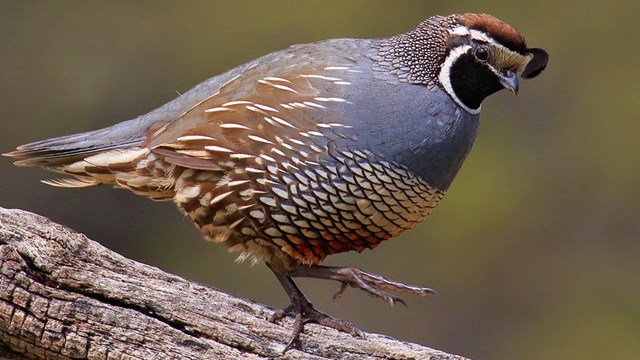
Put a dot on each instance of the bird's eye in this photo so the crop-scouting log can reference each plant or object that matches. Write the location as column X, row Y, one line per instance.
column 481, row 53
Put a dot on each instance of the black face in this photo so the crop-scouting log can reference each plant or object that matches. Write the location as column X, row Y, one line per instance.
column 472, row 79
column 473, row 75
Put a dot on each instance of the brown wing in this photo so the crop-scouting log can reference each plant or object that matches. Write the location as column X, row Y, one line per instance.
column 234, row 147
column 253, row 114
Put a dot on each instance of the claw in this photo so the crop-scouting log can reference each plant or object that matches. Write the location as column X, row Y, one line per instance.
column 305, row 313
column 281, row 314
column 399, row 301
column 338, row 293
column 374, row 285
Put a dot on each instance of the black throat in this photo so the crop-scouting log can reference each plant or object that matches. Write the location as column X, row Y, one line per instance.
column 472, row 81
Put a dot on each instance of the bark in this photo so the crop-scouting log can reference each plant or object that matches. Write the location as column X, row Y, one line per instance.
column 63, row 296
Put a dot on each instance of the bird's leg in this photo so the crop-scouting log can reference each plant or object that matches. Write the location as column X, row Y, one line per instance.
column 375, row 285
column 304, row 312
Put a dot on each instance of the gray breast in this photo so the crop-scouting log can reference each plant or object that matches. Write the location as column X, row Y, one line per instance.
column 415, row 126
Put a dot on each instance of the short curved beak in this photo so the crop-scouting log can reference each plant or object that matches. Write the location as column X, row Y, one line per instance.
column 510, row 81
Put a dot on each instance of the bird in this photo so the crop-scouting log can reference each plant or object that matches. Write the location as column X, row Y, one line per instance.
column 310, row 151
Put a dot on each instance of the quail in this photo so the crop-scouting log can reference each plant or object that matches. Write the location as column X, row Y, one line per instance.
column 314, row 150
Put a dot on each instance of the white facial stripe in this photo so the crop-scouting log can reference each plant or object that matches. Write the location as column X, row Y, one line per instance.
column 474, row 34
column 481, row 36
column 445, row 79
column 460, row 31
column 486, row 38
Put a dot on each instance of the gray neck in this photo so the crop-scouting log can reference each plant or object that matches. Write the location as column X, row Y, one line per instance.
column 418, row 127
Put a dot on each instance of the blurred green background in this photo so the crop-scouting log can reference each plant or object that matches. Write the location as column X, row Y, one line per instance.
column 535, row 250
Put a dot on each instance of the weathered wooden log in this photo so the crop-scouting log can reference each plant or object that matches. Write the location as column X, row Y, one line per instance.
column 63, row 296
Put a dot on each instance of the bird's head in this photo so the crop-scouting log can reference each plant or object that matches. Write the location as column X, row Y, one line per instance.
column 470, row 56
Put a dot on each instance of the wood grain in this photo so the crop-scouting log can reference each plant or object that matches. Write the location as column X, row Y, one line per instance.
column 64, row 296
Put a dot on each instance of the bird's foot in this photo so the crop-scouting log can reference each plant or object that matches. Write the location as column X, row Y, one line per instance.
column 372, row 284
column 304, row 312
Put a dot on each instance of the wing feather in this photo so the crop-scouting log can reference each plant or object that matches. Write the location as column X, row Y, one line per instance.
column 256, row 114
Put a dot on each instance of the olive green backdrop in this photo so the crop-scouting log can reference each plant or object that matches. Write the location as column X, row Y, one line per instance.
column 535, row 250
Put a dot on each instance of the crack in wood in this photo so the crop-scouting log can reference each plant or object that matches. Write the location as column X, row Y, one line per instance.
column 63, row 296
